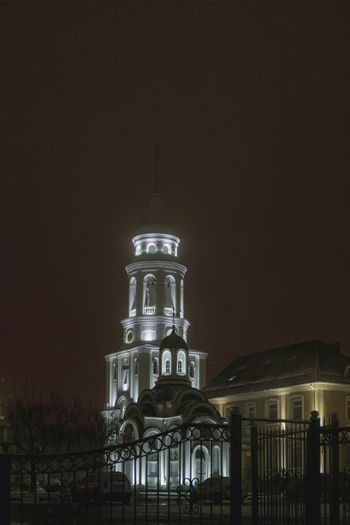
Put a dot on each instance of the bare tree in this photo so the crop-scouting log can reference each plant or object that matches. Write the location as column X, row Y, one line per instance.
column 57, row 426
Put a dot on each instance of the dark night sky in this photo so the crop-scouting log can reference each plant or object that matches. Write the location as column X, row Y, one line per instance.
column 254, row 161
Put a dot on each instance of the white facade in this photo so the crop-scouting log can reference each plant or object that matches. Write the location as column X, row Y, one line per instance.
column 155, row 304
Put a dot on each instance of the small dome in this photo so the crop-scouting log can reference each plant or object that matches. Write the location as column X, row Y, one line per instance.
column 155, row 228
column 173, row 342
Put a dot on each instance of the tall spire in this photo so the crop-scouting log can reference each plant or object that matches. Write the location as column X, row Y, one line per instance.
column 155, row 200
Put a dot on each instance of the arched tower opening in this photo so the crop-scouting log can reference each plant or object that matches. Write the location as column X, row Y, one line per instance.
column 149, row 294
column 169, row 295
column 132, row 297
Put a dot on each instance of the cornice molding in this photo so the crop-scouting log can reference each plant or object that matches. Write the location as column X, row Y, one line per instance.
column 304, row 387
column 151, row 320
column 155, row 265
column 149, row 348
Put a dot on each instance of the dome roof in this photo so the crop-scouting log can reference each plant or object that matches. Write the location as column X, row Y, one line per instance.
column 173, row 342
column 154, row 227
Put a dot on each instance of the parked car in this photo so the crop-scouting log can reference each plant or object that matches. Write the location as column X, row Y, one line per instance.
column 24, row 492
column 100, row 487
column 51, row 484
column 216, row 489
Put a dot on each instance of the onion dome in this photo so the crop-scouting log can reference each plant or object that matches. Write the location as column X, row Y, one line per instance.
column 173, row 342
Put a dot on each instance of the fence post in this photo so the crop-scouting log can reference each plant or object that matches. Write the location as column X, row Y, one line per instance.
column 313, row 476
column 254, row 472
column 334, row 492
column 5, row 472
column 236, row 468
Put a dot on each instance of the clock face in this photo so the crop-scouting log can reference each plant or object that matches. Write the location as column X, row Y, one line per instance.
column 129, row 336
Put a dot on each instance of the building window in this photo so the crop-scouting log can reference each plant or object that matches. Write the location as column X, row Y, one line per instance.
column 192, row 370
column 250, row 410
column 181, row 362
column 346, row 455
column 200, row 463
column 235, row 409
column 296, row 407
column 155, row 366
column 271, row 409
column 166, row 362
column 348, row 408
column 136, row 367
column 115, row 371
column 216, row 461
column 167, row 366
column 126, row 371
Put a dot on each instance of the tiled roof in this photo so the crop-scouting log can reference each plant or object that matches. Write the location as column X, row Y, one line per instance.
column 299, row 363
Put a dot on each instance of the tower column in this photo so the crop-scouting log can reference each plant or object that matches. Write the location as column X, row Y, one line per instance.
column 160, row 292
column 178, row 292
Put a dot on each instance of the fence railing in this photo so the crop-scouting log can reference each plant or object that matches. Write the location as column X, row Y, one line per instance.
column 149, row 310
column 179, row 474
column 280, row 472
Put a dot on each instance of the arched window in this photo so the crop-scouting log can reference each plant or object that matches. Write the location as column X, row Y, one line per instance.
column 192, row 370
column 181, row 362
column 115, row 370
column 167, row 366
column 149, row 295
column 166, row 362
column 166, row 249
column 151, row 248
column 128, row 433
column 200, row 463
column 155, row 366
column 216, row 461
column 132, row 297
column 170, row 295
column 125, row 372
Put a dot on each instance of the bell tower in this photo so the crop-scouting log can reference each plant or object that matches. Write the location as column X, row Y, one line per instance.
column 154, row 309
column 156, row 288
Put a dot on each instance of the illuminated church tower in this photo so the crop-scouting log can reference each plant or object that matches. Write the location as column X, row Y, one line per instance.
column 156, row 302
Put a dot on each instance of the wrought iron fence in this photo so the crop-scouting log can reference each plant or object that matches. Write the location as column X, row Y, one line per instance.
column 179, row 476
column 258, row 471
column 279, row 458
column 335, row 473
